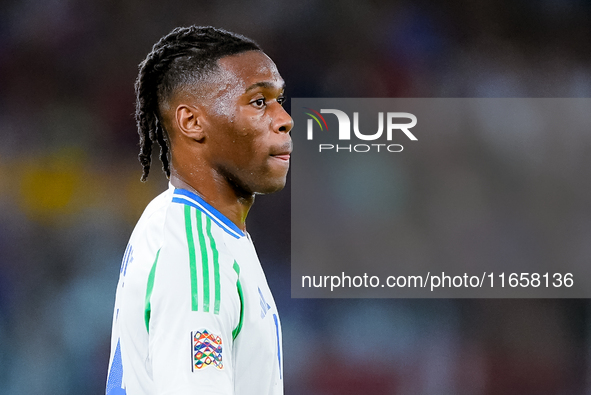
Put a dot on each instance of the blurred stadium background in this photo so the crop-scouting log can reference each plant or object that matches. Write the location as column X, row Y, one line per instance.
column 70, row 192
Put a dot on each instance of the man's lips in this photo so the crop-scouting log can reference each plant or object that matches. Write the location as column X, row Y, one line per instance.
column 282, row 152
column 284, row 156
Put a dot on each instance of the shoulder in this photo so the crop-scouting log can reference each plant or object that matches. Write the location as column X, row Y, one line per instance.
column 149, row 236
column 155, row 212
column 193, row 256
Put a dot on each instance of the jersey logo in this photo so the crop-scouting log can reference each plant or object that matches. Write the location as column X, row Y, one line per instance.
column 207, row 350
column 264, row 305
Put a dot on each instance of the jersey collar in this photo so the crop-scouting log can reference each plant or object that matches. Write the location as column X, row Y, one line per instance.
column 187, row 197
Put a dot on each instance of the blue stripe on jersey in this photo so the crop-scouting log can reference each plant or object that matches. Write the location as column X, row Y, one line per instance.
column 278, row 343
column 187, row 197
column 115, row 378
column 127, row 258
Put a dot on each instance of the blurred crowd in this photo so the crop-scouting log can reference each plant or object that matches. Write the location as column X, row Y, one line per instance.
column 70, row 192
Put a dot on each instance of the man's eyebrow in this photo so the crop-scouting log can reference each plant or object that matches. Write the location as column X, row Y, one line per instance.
column 265, row 84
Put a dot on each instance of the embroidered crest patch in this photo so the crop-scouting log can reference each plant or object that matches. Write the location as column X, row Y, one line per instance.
column 207, row 350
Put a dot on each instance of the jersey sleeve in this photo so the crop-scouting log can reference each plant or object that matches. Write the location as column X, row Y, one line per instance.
column 193, row 310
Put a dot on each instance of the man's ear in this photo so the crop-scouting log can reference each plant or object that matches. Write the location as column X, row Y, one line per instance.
column 189, row 120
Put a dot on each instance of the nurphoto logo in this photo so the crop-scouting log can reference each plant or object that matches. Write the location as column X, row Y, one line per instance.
column 393, row 124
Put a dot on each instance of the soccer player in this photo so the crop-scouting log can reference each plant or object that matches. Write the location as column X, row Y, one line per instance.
column 193, row 311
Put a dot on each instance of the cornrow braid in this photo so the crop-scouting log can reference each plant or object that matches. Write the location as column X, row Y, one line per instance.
column 184, row 56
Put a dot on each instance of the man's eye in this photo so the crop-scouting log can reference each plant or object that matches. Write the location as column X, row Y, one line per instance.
column 259, row 102
column 281, row 100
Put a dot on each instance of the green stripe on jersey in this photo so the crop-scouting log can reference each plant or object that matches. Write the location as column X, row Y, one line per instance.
column 237, row 330
column 148, row 308
column 204, row 261
column 202, row 225
column 216, row 268
column 192, row 259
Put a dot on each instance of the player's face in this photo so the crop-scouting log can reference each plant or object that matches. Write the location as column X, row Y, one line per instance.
column 249, row 141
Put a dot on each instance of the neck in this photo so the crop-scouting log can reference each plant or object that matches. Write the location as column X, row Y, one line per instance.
column 217, row 192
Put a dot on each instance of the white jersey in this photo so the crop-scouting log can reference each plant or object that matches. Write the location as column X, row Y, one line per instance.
column 193, row 311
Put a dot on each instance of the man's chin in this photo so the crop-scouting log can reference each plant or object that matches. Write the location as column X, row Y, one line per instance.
column 271, row 188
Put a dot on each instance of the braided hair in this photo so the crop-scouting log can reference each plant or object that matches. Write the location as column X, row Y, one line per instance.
column 183, row 57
